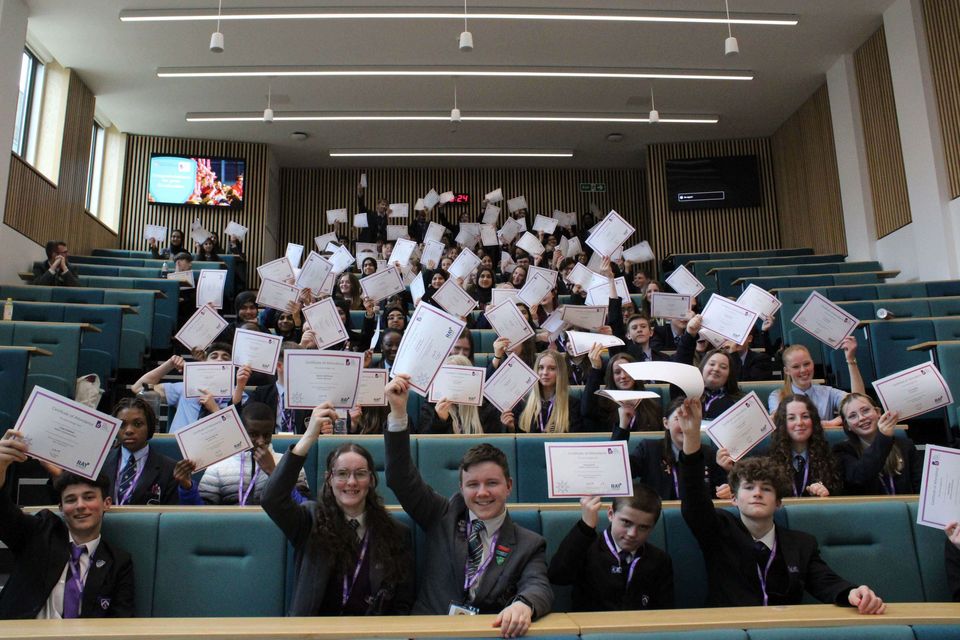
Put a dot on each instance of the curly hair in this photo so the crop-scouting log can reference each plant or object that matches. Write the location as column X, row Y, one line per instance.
column 823, row 466
column 761, row 469
column 338, row 540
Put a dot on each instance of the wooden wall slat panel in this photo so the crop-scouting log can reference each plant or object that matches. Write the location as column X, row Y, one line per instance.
column 808, row 184
column 942, row 20
column 881, row 132
column 711, row 229
column 43, row 211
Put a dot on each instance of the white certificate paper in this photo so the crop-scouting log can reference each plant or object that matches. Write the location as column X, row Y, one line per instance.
column 201, row 329
column 277, row 295
column 294, row 253
column 216, row 437
column 760, row 300
column 453, row 299
column 510, row 382
column 396, row 231
column 432, row 252
column 360, row 221
column 491, row 214
column 609, row 234
column 506, row 319
column 382, row 284
column 155, row 232
column 336, row 215
column 535, row 289
column 670, row 305
column 371, row 392
column 579, row 342
column 314, row 272
column 531, row 244
column 499, row 295
column 516, row 204
column 259, row 350
column 687, row 377
column 639, row 253
column 682, row 281
column 399, row 210
column 65, row 433
column 940, row 489
column 427, row 341
column 463, row 385
column 402, row 251
column 728, row 319
column 341, row 259
column 324, row 240
column 914, row 391
column 210, row 287
column 314, row 377
column 324, row 320
column 577, row 469
column 494, row 196
column 545, row 224
column 182, row 276
column 824, row 320
column 215, row 377
column 464, row 265
column 741, row 427
column 590, row 318
column 434, row 232
column 279, row 270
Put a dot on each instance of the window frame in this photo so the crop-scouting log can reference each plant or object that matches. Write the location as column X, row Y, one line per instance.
column 28, row 110
column 95, row 168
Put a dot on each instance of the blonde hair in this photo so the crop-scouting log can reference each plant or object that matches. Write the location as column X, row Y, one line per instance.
column 465, row 417
column 894, row 463
column 787, row 388
column 559, row 421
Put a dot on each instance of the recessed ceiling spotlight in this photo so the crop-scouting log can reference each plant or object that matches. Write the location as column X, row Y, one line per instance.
column 615, row 137
column 299, row 136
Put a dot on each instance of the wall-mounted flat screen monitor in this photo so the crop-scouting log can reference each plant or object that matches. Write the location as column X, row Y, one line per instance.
column 196, row 181
column 728, row 182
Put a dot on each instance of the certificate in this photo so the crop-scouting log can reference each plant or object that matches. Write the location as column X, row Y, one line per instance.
column 463, row 385
column 280, row 270
column 494, row 196
column 324, row 240
column 579, row 342
column 395, row 231
column 535, row 289
column 235, row 229
column 277, row 295
column 399, row 210
column 434, row 232
column 639, row 253
column 341, row 259
column 573, row 248
column 510, row 382
column 403, row 251
column 210, row 287
column 510, row 230
column 216, row 437
column 431, row 199
column 464, row 265
column 467, row 239
column 491, row 214
column 549, row 274
column 914, row 391
column 685, row 376
column 609, row 234
column 336, row 215
column 432, row 252
column 505, row 318
column 824, row 320
column 324, row 320
column 759, row 300
column 417, row 288
column 294, row 253
column 453, row 299
column 182, row 276
column 600, row 294
column 446, row 196
column 728, row 319
column 258, row 350
column 501, row 294
column 741, row 427
column 214, row 377
column 628, row 397
column 713, row 338
column 314, row 272
column 427, row 341
column 201, row 329
column 382, row 284
column 488, row 235
column 367, row 247
column 670, row 305
column 314, row 377
column 585, row 278
column 576, row 469
column 516, row 204
column 360, row 221
column 155, row 232
column 682, row 281
column 940, row 489
column 531, row 244
column 65, row 433
column 372, row 392
column 545, row 224
column 590, row 318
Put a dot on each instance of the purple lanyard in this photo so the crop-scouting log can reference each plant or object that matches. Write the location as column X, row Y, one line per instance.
column 706, row 405
column 121, row 500
column 242, row 495
column 886, row 479
column 676, row 483
column 347, row 589
column 806, row 476
column 549, row 412
column 469, row 580
column 613, row 552
column 763, row 576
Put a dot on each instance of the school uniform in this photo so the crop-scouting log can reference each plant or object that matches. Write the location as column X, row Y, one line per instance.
column 951, row 556
column 514, row 563
column 863, row 472
column 430, row 422
column 647, row 465
column 664, row 337
column 154, row 482
column 317, row 584
column 736, row 563
column 41, row 549
column 288, row 420
column 539, row 424
column 753, row 366
column 606, row 578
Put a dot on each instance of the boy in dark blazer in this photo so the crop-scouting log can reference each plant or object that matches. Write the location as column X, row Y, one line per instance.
column 62, row 567
column 481, row 562
column 149, row 478
column 616, row 570
column 750, row 561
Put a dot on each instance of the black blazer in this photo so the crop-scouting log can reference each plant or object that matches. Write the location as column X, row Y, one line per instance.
column 377, row 224
column 41, row 549
column 663, row 338
column 156, row 484
column 576, row 423
column 270, row 396
column 861, row 472
column 430, row 422
column 755, row 366
column 42, row 276
column 952, row 561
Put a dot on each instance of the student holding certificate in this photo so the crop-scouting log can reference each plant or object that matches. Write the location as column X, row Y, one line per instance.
column 601, row 414
column 785, row 562
column 875, row 461
column 352, row 557
column 450, row 417
column 798, row 378
column 548, row 408
column 348, row 289
column 482, row 290
column 139, row 474
column 801, row 449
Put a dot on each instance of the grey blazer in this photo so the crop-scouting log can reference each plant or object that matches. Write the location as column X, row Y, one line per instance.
column 523, row 571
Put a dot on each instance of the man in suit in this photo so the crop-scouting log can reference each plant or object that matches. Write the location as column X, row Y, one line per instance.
column 751, row 561
column 55, row 271
column 62, row 567
column 137, row 473
column 376, row 229
column 480, row 562
column 272, row 395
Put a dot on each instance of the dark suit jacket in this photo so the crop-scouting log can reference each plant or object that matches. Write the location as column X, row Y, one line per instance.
column 41, row 548
column 156, row 484
column 727, row 546
column 313, row 571
column 270, row 396
column 430, row 422
column 648, row 466
column 377, row 224
column 444, row 521
column 755, row 366
column 42, row 276
column 663, row 338
column 861, row 472
column 952, row 560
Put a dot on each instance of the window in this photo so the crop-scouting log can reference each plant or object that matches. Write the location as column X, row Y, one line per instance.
column 28, row 101
column 95, row 168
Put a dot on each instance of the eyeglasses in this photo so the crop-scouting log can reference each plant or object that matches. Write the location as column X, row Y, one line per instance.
column 343, row 475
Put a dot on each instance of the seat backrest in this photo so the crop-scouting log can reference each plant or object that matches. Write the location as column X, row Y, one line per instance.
column 929, row 543
column 943, row 288
column 76, row 295
column 136, row 533
column 35, row 293
column 873, row 632
column 439, row 460
column 14, row 364
column 59, row 371
column 889, row 342
column 38, row 311
column 947, row 306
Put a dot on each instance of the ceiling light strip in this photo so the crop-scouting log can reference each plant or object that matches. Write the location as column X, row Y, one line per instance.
column 492, row 72
column 307, row 117
column 348, row 153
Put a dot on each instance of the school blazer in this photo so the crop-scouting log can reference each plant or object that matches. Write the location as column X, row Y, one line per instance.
column 270, row 396
column 156, row 485
column 861, row 472
column 41, row 548
column 647, row 466
column 728, row 553
column 312, row 569
column 523, row 571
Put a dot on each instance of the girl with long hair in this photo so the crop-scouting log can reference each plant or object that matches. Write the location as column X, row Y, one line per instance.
column 446, row 416
column 602, row 414
column 798, row 378
column 548, row 408
column 799, row 446
column 348, row 288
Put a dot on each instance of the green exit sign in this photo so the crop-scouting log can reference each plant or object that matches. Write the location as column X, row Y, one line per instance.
column 593, row 187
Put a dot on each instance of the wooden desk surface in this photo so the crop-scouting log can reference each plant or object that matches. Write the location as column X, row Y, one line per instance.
column 932, row 344
column 882, row 274
column 33, row 351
